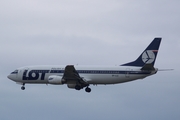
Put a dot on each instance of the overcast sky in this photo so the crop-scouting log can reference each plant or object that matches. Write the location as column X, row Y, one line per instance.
column 89, row 32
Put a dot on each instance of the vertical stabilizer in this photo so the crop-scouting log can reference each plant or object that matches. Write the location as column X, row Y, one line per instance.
column 148, row 56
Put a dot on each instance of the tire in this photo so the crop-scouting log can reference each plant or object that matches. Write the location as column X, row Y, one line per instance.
column 88, row 89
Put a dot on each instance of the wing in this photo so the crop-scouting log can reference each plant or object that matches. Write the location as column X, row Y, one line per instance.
column 70, row 74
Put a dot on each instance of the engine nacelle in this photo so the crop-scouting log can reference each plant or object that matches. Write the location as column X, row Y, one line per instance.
column 55, row 79
column 72, row 86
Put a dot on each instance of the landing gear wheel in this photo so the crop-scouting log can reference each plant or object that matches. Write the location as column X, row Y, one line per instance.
column 88, row 89
column 77, row 87
column 22, row 88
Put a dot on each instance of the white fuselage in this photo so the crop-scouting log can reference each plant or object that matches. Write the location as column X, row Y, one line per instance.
column 90, row 74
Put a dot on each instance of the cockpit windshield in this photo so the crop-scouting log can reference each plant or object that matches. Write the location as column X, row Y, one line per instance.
column 15, row 72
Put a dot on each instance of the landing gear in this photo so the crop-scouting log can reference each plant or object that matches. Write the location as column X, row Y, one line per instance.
column 88, row 89
column 23, row 87
column 77, row 87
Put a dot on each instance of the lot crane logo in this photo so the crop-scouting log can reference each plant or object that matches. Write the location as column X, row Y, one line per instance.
column 148, row 56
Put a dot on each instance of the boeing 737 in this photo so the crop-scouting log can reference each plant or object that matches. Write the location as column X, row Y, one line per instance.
column 79, row 77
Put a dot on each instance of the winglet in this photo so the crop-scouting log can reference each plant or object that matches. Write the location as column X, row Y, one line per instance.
column 148, row 56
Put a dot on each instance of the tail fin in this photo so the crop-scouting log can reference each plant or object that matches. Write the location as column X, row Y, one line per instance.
column 148, row 56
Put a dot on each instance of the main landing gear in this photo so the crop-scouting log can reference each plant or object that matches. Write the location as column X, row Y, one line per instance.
column 78, row 87
column 23, row 87
column 88, row 89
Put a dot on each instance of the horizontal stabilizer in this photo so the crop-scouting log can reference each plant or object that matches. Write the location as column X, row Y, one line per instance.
column 165, row 69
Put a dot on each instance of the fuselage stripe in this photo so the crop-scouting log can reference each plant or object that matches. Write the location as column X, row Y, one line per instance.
column 103, row 72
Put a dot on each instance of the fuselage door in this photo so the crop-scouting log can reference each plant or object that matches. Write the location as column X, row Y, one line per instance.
column 22, row 73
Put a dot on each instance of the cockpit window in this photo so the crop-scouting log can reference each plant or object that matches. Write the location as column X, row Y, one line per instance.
column 15, row 72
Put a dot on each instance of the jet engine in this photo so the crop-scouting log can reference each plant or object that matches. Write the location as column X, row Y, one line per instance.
column 55, row 79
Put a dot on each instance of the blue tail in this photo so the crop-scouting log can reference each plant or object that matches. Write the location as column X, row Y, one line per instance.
column 148, row 56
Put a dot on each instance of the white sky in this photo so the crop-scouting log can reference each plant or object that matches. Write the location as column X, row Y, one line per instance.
column 103, row 32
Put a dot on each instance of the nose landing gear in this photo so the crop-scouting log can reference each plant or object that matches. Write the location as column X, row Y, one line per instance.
column 23, row 87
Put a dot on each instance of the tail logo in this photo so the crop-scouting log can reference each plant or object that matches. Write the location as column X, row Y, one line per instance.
column 148, row 56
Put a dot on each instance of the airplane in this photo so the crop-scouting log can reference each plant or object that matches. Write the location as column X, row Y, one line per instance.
column 78, row 76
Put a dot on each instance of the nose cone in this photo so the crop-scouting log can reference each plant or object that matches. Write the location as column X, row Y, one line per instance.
column 11, row 77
